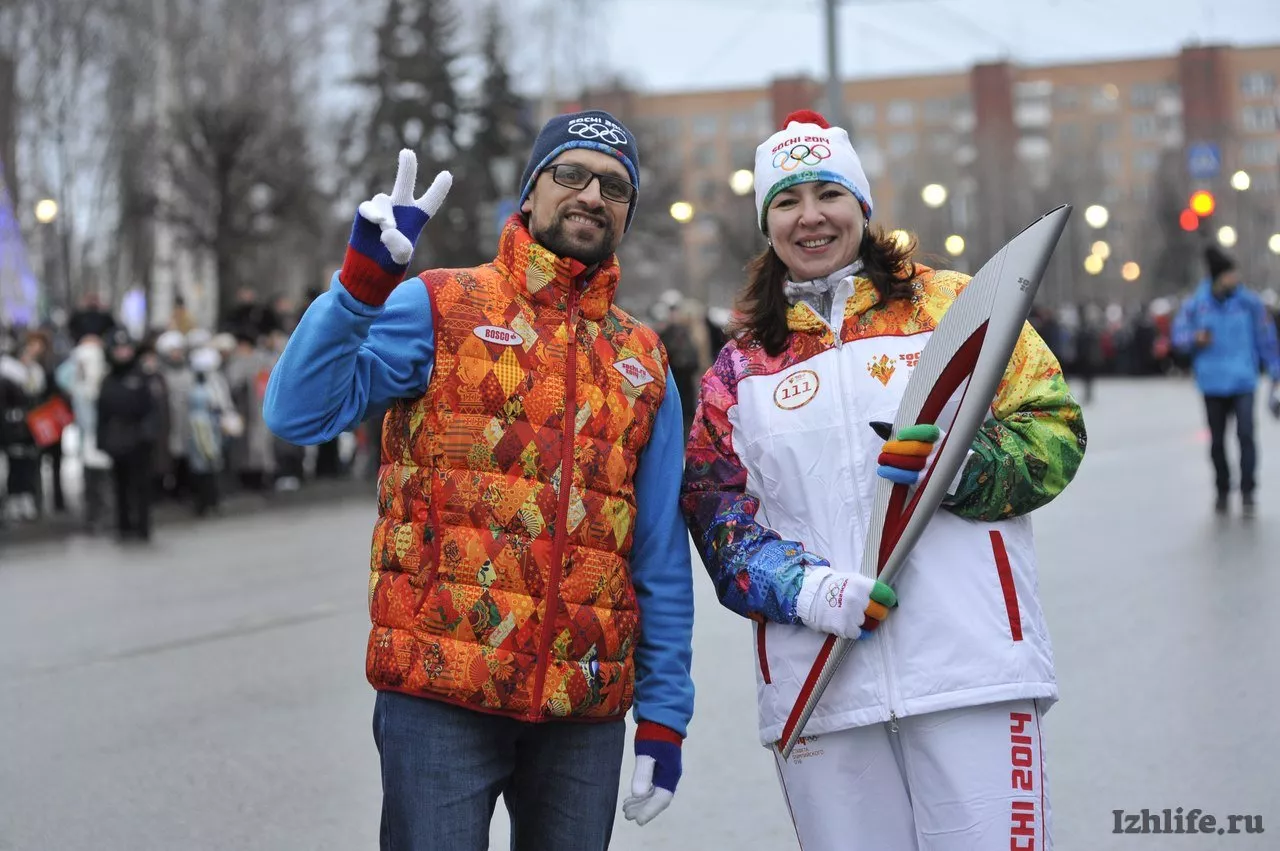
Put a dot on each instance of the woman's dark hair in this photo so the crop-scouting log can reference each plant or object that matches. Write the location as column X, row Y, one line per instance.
column 761, row 313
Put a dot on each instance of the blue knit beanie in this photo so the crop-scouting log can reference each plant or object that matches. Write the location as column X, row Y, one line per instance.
column 595, row 130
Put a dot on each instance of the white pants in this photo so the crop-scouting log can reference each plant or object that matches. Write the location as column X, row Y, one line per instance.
column 967, row 779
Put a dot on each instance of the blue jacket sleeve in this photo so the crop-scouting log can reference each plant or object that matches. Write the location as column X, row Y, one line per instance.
column 1267, row 345
column 662, row 573
column 345, row 356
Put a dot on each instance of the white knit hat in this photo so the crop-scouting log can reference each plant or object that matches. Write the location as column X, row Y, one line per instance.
column 808, row 150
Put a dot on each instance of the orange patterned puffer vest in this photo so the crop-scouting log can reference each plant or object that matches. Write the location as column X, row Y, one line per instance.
column 493, row 586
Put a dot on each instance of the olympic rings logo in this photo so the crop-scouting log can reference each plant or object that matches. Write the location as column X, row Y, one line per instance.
column 600, row 132
column 799, row 155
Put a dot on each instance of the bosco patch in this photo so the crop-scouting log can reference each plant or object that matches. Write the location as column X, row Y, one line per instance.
column 499, row 335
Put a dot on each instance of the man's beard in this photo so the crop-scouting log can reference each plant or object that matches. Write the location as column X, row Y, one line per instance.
column 556, row 239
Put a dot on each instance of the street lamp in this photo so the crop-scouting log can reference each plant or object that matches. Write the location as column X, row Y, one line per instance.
column 1240, row 181
column 1227, row 235
column 1096, row 216
column 1101, row 249
column 682, row 211
column 955, row 244
column 1130, row 271
column 742, row 182
column 900, row 237
column 1274, row 243
column 46, row 211
column 934, row 195
column 1093, row 264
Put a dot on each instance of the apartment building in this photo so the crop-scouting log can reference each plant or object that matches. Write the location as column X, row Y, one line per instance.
column 1007, row 142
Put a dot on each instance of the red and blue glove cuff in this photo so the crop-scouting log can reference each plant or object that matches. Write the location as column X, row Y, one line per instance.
column 368, row 270
column 663, row 745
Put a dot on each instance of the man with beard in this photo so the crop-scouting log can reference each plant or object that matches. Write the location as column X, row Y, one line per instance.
column 530, row 568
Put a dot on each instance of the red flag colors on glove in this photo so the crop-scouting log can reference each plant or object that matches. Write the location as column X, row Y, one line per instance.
column 656, row 774
column 385, row 232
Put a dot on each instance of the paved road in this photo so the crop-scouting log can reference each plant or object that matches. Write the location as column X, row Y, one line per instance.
column 208, row 692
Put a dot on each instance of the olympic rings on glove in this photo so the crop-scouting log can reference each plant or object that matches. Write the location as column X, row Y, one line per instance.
column 799, row 155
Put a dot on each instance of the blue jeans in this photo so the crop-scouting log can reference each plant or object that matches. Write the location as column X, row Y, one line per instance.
column 443, row 768
column 1220, row 410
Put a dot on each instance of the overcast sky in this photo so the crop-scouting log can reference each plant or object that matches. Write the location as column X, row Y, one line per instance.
column 670, row 45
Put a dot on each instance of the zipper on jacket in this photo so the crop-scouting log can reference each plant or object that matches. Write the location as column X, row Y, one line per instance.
column 893, row 721
column 551, row 594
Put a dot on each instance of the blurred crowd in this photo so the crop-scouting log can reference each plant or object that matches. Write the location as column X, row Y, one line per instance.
column 201, row 435
column 96, row 422
column 1135, row 339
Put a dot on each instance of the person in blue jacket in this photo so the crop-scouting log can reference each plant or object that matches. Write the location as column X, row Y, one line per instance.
column 531, row 573
column 1231, row 339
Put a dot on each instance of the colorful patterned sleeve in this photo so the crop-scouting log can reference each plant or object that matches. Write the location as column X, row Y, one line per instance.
column 755, row 572
column 1031, row 449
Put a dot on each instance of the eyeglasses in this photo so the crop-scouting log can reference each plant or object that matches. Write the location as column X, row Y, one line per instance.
column 573, row 176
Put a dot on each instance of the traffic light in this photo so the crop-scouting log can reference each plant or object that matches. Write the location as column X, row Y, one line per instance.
column 1202, row 203
column 1188, row 220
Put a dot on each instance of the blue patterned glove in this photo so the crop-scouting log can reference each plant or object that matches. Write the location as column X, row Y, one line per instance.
column 385, row 231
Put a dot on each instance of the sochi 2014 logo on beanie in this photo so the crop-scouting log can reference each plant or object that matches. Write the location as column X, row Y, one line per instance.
column 593, row 129
column 599, row 129
column 808, row 150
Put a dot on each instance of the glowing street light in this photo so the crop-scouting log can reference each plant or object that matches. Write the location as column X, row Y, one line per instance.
column 1093, row 264
column 682, row 211
column 1101, row 249
column 46, row 211
column 742, row 181
column 1240, row 181
column 900, row 237
column 955, row 244
column 1096, row 216
column 1227, row 235
column 1274, row 243
column 934, row 195
column 1130, row 271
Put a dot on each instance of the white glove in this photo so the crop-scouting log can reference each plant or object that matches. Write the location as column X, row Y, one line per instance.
column 843, row 604
column 380, row 210
column 646, row 800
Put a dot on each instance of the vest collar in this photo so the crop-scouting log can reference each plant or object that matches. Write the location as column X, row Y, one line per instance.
column 547, row 279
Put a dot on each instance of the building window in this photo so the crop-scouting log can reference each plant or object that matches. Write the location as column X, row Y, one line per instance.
column 706, row 125
column 1108, row 131
column 742, row 153
column 1257, row 84
column 1068, row 133
column 942, row 143
column 1260, row 152
column 1112, row 163
column 1145, row 126
column 1067, row 97
column 1144, row 95
column 743, row 124
column 902, row 145
column 1105, row 98
column 902, row 112
column 937, row 110
column 1258, row 119
column 1147, row 160
column 863, row 114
